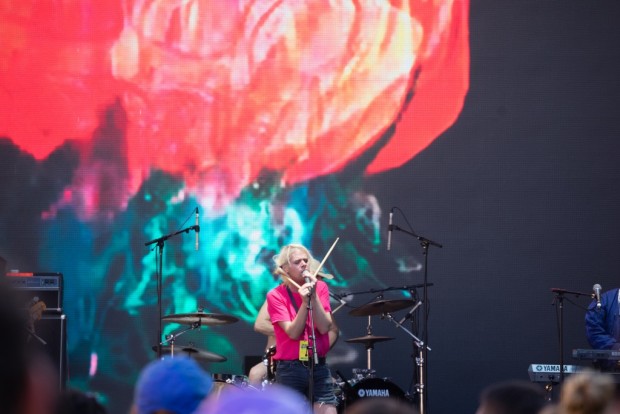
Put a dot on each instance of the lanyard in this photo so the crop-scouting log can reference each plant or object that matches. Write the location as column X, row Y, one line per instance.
column 290, row 295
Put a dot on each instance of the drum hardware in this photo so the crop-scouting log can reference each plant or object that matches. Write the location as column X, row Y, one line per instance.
column 384, row 308
column 193, row 321
column 229, row 382
column 237, row 380
column 421, row 350
column 370, row 388
column 268, row 361
column 361, row 373
column 368, row 341
column 192, row 352
column 380, row 307
column 170, row 340
column 200, row 318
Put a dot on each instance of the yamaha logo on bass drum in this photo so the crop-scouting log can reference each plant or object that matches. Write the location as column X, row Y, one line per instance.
column 366, row 393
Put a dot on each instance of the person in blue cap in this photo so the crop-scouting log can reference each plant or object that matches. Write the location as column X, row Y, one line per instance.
column 174, row 385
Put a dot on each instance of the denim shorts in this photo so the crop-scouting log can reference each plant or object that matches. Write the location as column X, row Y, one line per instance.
column 296, row 375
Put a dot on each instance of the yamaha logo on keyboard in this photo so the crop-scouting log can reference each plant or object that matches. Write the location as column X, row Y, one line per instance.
column 553, row 368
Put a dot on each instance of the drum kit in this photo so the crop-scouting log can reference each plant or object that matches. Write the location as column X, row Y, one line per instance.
column 364, row 384
column 195, row 321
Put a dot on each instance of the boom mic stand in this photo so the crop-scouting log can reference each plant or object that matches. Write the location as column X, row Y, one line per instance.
column 160, row 241
column 559, row 300
column 425, row 243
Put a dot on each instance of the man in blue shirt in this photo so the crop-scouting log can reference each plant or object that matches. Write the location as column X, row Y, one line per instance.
column 603, row 325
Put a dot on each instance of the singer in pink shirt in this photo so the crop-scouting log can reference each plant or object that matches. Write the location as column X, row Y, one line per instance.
column 288, row 306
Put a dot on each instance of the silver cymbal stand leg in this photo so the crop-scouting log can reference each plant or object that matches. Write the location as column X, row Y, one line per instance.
column 420, row 385
column 369, row 349
column 419, row 360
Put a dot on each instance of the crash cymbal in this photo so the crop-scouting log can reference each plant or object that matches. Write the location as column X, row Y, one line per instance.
column 201, row 318
column 192, row 352
column 381, row 306
column 369, row 340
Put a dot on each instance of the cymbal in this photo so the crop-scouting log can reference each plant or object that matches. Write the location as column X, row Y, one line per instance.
column 192, row 352
column 201, row 318
column 369, row 340
column 381, row 306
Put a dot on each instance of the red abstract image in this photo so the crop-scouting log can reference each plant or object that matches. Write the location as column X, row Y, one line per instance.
column 217, row 91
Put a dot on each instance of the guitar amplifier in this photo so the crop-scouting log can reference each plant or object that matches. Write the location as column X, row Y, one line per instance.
column 33, row 287
column 50, row 336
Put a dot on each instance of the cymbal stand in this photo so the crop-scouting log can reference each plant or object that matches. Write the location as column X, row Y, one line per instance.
column 369, row 347
column 159, row 242
column 420, row 362
column 170, row 339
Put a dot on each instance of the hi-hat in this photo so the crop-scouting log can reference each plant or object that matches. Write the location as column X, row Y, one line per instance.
column 369, row 340
column 381, row 306
column 192, row 352
column 200, row 318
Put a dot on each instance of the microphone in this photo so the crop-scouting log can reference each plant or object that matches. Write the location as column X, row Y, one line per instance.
column 597, row 293
column 197, row 228
column 306, row 274
column 410, row 313
column 389, row 242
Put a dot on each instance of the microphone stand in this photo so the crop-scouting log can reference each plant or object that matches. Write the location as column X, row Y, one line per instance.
column 425, row 243
column 312, row 349
column 315, row 356
column 160, row 241
column 559, row 299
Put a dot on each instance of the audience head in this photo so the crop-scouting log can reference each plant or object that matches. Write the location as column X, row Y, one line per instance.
column 43, row 382
column 175, row 385
column 587, row 392
column 13, row 354
column 380, row 406
column 273, row 400
column 78, row 402
column 512, row 397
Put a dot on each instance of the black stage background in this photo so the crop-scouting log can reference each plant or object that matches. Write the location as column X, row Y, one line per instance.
column 523, row 193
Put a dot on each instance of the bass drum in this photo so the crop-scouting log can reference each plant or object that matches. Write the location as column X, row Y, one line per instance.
column 370, row 388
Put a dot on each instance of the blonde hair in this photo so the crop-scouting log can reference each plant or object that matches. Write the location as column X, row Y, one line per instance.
column 284, row 258
column 587, row 392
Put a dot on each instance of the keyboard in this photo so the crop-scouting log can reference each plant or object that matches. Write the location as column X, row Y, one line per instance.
column 606, row 354
column 550, row 372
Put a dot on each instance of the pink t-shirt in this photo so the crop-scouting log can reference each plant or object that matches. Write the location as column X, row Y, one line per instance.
column 281, row 309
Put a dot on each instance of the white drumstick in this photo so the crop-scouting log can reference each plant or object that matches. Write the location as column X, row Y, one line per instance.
column 325, row 258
